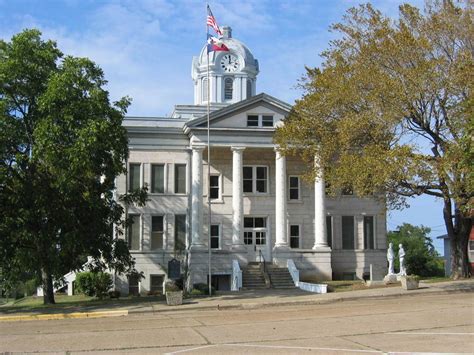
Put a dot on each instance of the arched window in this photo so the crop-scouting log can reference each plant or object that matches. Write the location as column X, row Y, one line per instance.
column 205, row 90
column 249, row 88
column 228, row 88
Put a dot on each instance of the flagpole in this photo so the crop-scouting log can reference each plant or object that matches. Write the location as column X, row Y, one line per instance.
column 208, row 167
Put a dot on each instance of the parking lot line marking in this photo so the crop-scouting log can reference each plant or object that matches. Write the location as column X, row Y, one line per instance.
column 191, row 349
column 413, row 333
column 303, row 347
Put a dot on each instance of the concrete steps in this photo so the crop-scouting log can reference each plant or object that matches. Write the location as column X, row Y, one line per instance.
column 252, row 277
column 280, row 277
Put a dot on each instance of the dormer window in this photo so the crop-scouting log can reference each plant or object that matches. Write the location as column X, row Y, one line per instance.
column 252, row 121
column 259, row 121
column 228, row 88
column 267, row 121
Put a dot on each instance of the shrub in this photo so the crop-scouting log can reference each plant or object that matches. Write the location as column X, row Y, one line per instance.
column 203, row 288
column 171, row 286
column 153, row 293
column 114, row 294
column 196, row 292
column 94, row 283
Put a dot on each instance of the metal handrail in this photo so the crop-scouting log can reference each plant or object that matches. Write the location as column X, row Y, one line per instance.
column 262, row 257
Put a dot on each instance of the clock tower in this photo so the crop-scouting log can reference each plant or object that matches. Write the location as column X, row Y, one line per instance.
column 232, row 74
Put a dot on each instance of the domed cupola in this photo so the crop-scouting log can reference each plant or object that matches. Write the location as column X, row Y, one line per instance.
column 232, row 73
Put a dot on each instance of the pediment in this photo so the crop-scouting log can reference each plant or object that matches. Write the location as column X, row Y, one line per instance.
column 235, row 116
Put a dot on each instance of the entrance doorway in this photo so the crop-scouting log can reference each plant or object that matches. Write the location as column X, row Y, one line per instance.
column 256, row 238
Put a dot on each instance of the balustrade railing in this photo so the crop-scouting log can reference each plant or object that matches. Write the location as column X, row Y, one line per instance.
column 294, row 272
column 236, row 276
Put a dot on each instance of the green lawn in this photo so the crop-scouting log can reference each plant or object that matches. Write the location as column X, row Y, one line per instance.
column 433, row 279
column 65, row 302
column 348, row 285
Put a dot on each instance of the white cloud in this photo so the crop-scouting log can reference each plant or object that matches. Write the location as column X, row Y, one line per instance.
column 145, row 47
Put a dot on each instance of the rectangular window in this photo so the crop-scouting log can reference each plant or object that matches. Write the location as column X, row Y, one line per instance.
column 156, row 283
column 156, row 232
column 215, row 187
column 180, row 178
column 267, row 121
column 255, row 227
column 294, row 192
column 329, row 230
column 261, row 182
column 252, row 121
column 471, row 245
column 255, row 179
column 259, row 121
column 157, row 179
column 215, row 236
column 248, row 178
column 134, row 177
column 180, row 232
column 369, row 232
column 248, row 238
column 348, row 232
column 260, row 222
column 134, row 232
column 294, row 236
column 260, row 238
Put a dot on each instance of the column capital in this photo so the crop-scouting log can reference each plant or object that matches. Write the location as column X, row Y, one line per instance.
column 237, row 149
column 199, row 147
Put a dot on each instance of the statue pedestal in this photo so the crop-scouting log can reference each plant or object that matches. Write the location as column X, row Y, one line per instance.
column 390, row 279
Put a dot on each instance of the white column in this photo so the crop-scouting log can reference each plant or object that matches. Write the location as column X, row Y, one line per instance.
column 280, row 200
column 196, row 197
column 237, row 197
column 188, row 191
column 320, row 236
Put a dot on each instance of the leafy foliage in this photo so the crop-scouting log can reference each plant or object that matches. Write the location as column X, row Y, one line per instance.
column 94, row 283
column 62, row 145
column 421, row 257
column 172, row 286
column 390, row 112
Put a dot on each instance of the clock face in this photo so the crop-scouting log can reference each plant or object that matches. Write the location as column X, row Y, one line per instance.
column 229, row 63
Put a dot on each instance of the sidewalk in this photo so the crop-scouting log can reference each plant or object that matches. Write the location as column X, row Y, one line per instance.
column 293, row 297
column 243, row 300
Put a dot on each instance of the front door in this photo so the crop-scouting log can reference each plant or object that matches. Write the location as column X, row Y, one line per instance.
column 256, row 238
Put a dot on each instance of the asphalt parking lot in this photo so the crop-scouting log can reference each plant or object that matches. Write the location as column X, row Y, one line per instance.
column 430, row 323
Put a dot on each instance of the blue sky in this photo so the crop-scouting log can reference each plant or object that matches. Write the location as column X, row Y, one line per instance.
column 145, row 49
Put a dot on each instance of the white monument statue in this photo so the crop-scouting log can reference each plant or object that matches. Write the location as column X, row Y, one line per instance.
column 390, row 258
column 401, row 255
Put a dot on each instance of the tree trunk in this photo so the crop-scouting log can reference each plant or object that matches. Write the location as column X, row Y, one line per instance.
column 463, row 228
column 48, row 291
column 458, row 228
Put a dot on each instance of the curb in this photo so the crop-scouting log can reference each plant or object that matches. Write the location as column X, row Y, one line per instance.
column 76, row 315
column 223, row 307
column 256, row 305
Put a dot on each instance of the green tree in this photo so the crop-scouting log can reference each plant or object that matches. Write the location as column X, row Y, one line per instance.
column 94, row 283
column 390, row 112
column 421, row 257
column 62, row 145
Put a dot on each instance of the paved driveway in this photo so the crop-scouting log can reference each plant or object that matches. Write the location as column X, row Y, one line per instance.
column 419, row 323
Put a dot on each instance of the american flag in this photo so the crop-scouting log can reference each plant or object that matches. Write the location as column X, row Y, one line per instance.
column 211, row 21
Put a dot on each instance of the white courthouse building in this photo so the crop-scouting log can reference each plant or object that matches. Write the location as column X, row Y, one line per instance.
column 260, row 206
